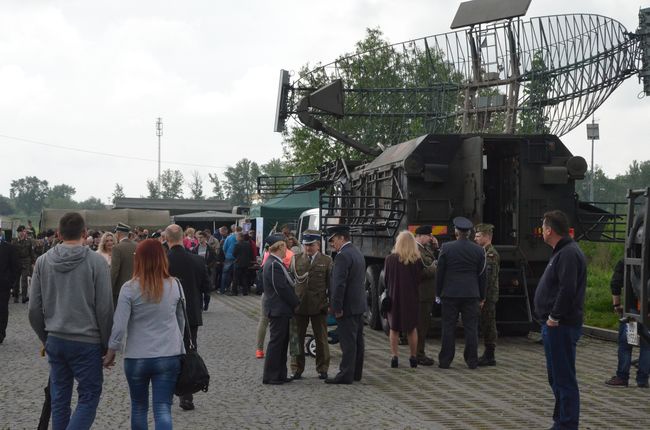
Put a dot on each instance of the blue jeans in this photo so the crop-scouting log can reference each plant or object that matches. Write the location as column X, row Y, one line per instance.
column 163, row 373
column 560, row 348
column 625, row 357
column 70, row 360
column 226, row 274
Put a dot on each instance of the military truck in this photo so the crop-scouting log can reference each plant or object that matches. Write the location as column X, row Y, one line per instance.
column 505, row 180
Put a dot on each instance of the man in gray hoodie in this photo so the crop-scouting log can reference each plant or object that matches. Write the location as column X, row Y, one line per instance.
column 71, row 311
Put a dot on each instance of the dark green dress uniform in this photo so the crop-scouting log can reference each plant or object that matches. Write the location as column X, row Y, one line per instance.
column 312, row 280
column 427, row 295
column 26, row 258
column 488, row 312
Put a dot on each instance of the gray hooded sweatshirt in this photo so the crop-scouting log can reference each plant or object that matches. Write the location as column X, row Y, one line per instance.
column 71, row 296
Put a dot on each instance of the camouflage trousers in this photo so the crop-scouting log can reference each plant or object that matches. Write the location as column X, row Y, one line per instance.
column 20, row 285
column 489, row 323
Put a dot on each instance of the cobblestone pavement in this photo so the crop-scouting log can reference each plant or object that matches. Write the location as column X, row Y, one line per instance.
column 512, row 395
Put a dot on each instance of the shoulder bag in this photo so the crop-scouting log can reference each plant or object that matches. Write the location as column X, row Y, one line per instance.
column 385, row 303
column 194, row 376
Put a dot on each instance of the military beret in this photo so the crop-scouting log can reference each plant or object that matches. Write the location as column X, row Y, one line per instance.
column 484, row 228
column 122, row 227
column 336, row 230
column 424, row 230
column 310, row 236
column 274, row 238
column 462, row 223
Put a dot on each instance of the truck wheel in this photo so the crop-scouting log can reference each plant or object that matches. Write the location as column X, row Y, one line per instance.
column 372, row 296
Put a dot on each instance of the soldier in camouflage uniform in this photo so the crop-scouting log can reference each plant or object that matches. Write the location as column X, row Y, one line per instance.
column 483, row 237
column 27, row 258
column 427, row 288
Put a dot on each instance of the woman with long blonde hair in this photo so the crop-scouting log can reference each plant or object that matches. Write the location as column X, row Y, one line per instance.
column 105, row 248
column 402, row 271
column 150, row 313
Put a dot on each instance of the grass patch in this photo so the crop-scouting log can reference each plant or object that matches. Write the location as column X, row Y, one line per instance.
column 601, row 259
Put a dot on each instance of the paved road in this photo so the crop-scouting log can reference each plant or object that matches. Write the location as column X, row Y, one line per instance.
column 512, row 395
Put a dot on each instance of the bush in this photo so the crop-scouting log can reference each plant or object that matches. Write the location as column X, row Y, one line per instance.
column 601, row 259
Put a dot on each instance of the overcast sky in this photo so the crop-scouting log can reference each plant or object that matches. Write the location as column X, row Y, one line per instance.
column 94, row 75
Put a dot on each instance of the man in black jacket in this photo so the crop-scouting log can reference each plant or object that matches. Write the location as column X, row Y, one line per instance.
column 559, row 303
column 460, row 284
column 279, row 303
column 243, row 258
column 191, row 272
column 9, row 271
column 348, row 303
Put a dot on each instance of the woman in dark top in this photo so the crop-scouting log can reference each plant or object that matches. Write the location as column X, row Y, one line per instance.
column 279, row 302
column 402, row 271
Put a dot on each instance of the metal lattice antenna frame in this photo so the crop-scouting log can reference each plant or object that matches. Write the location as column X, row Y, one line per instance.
column 543, row 75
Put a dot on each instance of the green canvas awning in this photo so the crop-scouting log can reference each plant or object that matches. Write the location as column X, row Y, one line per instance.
column 285, row 209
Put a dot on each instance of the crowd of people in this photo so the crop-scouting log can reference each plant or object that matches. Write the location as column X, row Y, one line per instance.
column 130, row 290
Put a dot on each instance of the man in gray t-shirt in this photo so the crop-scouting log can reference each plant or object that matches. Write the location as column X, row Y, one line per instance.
column 71, row 311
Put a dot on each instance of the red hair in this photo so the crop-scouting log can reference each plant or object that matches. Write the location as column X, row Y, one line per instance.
column 151, row 268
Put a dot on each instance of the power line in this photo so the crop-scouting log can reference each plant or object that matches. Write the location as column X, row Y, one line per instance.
column 106, row 154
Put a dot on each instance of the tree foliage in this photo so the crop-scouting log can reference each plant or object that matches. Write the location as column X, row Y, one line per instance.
column 92, row 203
column 217, row 190
column 29, row 194
column 241, row 182
column 532, row 118
column 61, row 191
column 152, row 188
column 6, row 207
column 118, row 193
column 380, row 66
column 195, row 186
column 170, row 187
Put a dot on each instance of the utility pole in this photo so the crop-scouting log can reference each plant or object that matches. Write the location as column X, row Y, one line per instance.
column 159, row 132
column 593, row 134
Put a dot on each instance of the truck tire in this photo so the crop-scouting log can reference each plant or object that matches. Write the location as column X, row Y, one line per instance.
column 372, row 296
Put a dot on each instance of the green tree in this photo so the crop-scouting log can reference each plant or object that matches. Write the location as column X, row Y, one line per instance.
column 171, row 185
column 118, row 193
column 152, row 187
column 275, row 167
column 6, row 207
column 241, row 182
column 29, row 194
column 532, row 118
column 60, row 197
column 196, row 186
column 62, row 191
column 217, row 190
column 92, row 203
column 381, row 66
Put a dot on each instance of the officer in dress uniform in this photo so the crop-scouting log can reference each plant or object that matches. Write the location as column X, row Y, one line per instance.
column 483, row 238
column 312, row 270
column 348, row 303
column 460, row 284
column 27, row 258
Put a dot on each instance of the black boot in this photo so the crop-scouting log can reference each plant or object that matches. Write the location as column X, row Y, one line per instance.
column 487, row 359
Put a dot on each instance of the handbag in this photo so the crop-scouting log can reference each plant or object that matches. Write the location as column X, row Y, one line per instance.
column 385, row 303
column 194, row 376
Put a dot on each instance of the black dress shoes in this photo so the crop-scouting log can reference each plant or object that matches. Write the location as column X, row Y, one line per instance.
column 187, row 405
column 336, row 381
column 322, row 375
column 296, row 376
